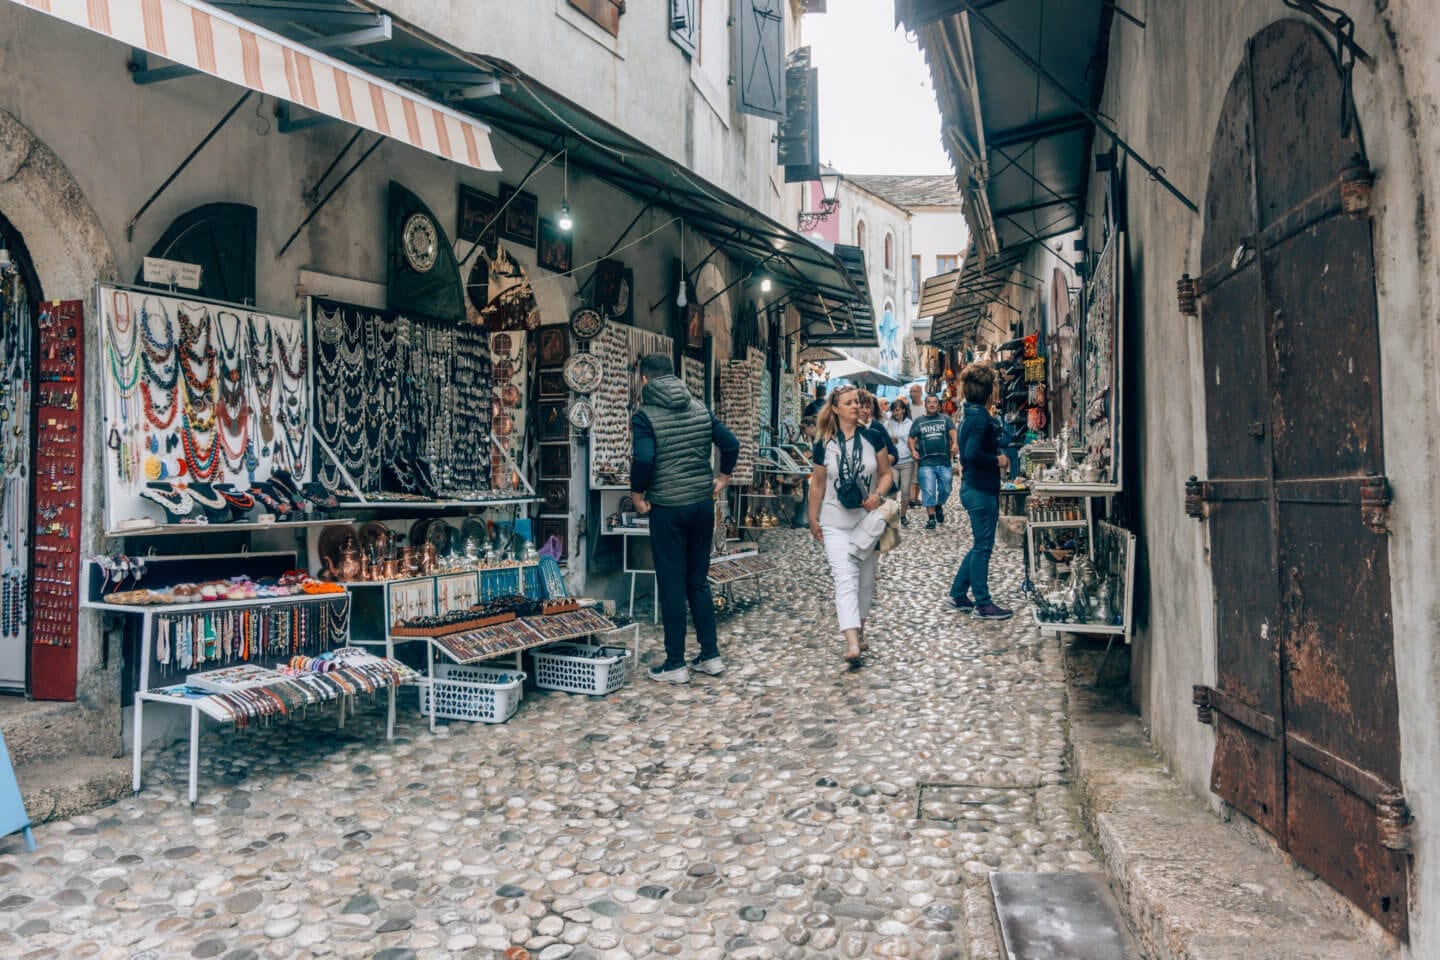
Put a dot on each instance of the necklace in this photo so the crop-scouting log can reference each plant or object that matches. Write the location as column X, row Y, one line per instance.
column 122, row 356
column 203, row 465
column 205, row 495
column 172, row 498
column 160, row 417
column 262, row 372
column 329, row 325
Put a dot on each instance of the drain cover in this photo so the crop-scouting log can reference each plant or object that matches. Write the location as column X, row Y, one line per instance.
column 1059, row 916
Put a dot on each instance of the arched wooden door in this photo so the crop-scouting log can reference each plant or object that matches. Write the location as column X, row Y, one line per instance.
column 1305, row 711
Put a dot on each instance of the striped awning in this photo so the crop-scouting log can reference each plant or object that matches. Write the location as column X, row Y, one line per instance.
column 196, row 35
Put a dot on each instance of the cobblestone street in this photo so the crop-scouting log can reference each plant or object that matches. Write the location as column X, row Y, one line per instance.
column 769, row 812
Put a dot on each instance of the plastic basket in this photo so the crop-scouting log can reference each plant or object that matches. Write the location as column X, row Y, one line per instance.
column 472, row 693
column 580, row 668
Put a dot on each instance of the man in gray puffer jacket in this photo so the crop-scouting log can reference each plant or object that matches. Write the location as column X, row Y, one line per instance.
column 672, row 480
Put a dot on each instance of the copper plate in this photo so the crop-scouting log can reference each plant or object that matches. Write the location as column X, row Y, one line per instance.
column 510, row 395
column 500, row 343
column 503, row 425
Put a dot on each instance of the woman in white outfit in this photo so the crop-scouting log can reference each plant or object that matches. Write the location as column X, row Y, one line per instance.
column 849, row 479
column 898, row 426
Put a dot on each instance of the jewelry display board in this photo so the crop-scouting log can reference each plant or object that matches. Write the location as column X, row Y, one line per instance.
column 738, row 403
column 15, row 438
column 403, row 402
column 619, row 349
column 197, row 391
column 790, row 406
column 1101, row 358
column 59, row 445
column 694, row 371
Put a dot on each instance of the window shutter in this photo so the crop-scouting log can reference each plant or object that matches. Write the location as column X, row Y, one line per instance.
column 798, row 143
column 606, row 13
column 760, row 84
column 685, row 25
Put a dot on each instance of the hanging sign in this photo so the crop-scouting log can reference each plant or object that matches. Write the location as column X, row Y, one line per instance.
column 172, row 273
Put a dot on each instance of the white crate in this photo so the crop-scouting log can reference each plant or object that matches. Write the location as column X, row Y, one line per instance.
column 472, row 693
column 581, row 668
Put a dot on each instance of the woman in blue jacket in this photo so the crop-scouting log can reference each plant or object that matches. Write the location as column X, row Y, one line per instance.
column 980, row 462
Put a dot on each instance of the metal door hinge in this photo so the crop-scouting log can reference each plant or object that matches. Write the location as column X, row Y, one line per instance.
column 1393, row 821
column 1197, row 494
column 1201, row 696
column 1375, row 503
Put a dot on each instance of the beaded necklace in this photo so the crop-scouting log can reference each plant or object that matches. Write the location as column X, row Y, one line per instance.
column 292, row 409
column 262, row 372
column 191, row 333
column 122, row 356
column 203, row 465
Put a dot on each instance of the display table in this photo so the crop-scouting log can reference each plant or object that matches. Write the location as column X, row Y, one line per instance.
column 179, row 641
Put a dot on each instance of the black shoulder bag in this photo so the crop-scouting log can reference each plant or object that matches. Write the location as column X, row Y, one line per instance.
column 847, row 485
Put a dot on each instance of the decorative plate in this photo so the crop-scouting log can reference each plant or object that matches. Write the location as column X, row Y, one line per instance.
column 503, row 425
column 496, row 407
column 500, row 343
column 510, row 396
column 581, row 414
column 584, row 372
column 504, row 371
column 375, row 538
column 472, row 537
column 420, row 240
column 586, row 323
column 440, row 535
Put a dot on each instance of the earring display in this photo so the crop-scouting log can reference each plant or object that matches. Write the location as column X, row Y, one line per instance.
column 59, row 476
column 694, row 371
column 403, row 403
column 198, row 393
column 739, row 403
column 619, row 349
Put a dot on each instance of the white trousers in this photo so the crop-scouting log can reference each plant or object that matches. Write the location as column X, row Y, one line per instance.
column 854, row 582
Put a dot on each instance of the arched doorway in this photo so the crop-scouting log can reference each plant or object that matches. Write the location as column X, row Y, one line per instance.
column 1304, row 707
column 19, row 291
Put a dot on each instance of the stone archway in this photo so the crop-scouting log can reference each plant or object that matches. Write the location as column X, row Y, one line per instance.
column 44, row 203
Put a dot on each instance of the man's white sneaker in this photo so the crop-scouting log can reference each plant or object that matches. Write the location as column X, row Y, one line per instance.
column 680, row 674
column 713, row 666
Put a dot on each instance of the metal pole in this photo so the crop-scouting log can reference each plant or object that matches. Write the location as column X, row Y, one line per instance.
column 1091, row 115
column 130, row 227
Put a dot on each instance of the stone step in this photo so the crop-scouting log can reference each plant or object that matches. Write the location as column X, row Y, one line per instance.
column 42, row 730
column 1059, row 916
column 1192, row 886
column 55, row 790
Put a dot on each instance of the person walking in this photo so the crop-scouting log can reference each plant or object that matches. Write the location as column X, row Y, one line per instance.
column 850, row 477
column 916, row 404
column 898, row 427
column 671, row 481
column 933, row 446
column 980, row 464
column 873, row 422
column 814, row 407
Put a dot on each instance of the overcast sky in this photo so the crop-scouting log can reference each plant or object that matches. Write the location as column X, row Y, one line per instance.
column 877, row 109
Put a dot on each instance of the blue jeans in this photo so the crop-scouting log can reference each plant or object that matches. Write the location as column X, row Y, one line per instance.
column 935, row 484
column 974, row 572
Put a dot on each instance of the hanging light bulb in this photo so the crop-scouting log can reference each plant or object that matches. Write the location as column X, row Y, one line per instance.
column 765, row 284
column 680, row 298
column 566, row 222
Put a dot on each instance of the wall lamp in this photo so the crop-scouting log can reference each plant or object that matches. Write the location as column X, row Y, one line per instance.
column 829, row 200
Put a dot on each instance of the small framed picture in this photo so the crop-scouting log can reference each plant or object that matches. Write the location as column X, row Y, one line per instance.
column 556, row 247
column 555, row 458
column 554, row 346
column 520, row 221
column 694, row 327
column 609, row 276
column 476, row 210
column 552, row 383
column 547, row 527
column 555, row 496
column 553, row 423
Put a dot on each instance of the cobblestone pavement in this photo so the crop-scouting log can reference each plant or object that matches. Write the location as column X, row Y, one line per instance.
column 770, row 812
